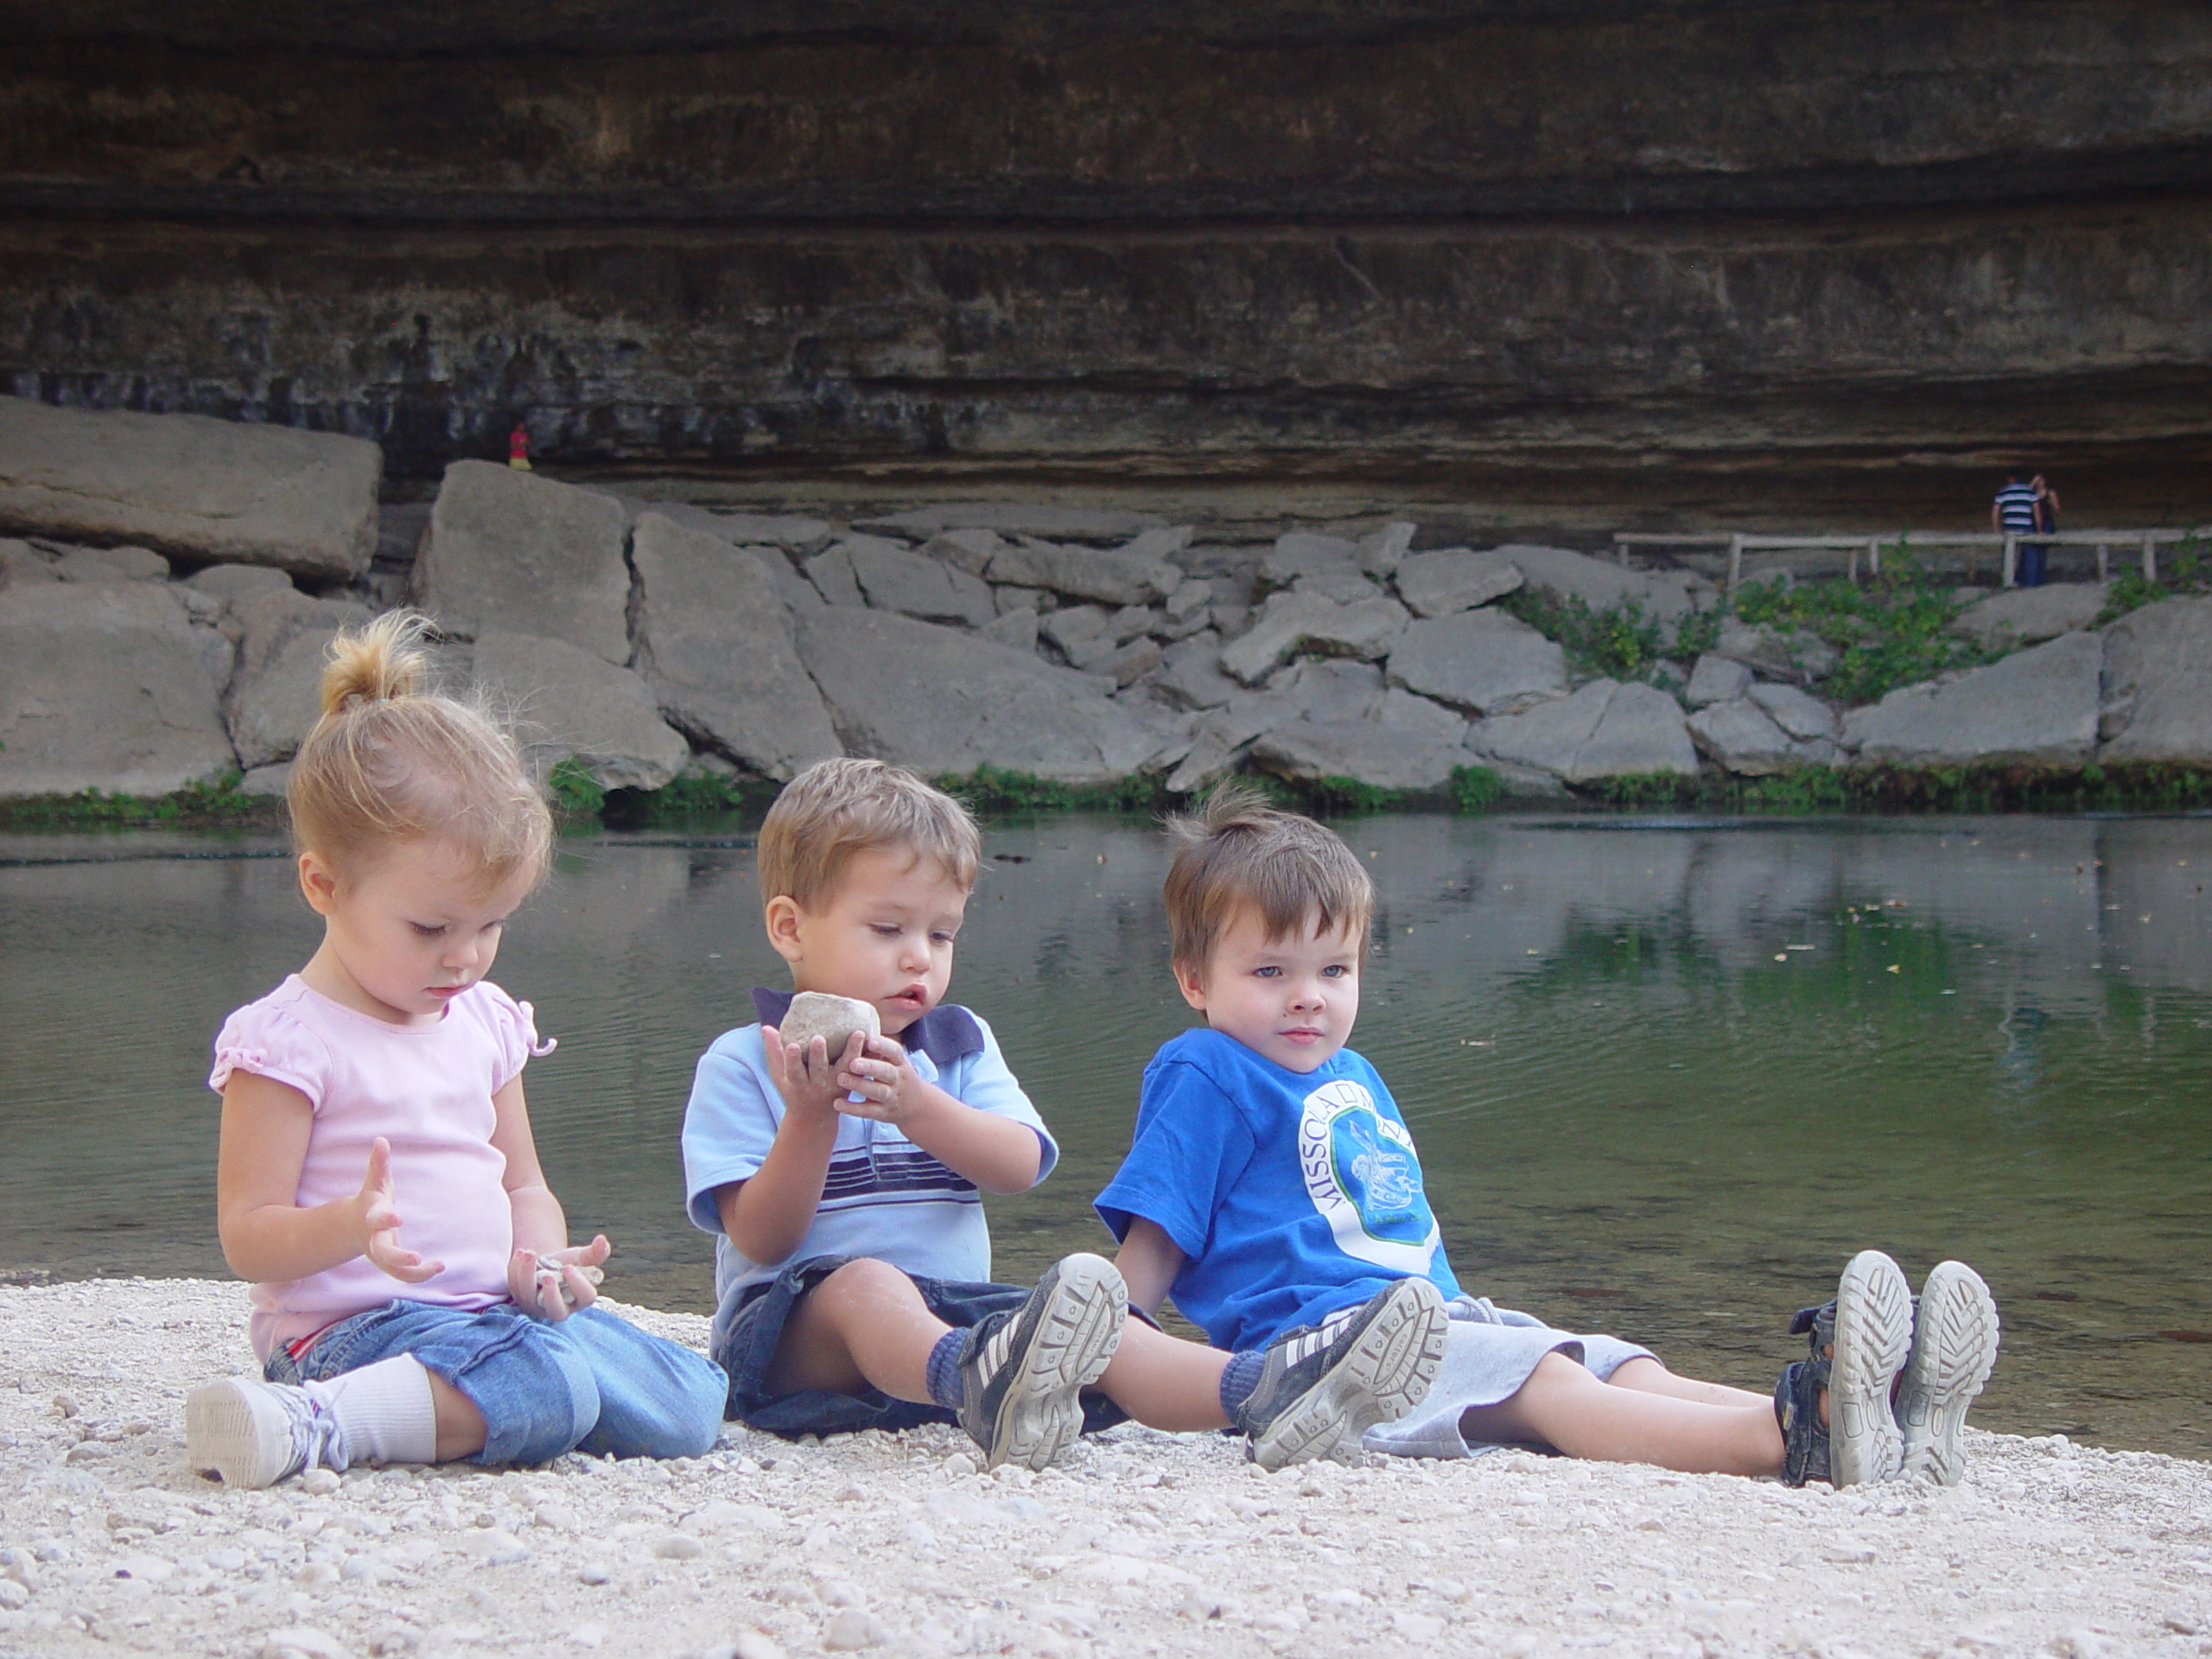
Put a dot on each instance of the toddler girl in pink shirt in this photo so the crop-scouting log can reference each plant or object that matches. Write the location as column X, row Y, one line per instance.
column 415, row 1296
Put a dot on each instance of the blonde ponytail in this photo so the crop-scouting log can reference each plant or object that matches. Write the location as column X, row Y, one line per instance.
column 391, row 761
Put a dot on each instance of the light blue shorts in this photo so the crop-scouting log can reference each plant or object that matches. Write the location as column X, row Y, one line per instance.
column 592, row 1382
column 1489, row 1354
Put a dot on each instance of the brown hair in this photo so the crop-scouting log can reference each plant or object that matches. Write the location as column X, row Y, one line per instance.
column 1236, row 850
column 391, row 761
column 835, row 809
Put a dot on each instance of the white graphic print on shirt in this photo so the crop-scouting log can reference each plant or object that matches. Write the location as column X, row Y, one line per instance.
column 1363, row 1179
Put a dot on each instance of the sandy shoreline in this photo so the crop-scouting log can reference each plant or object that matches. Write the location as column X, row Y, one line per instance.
column 1143, row 1543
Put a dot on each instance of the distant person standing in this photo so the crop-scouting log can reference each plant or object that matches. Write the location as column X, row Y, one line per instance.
column 2017, row 511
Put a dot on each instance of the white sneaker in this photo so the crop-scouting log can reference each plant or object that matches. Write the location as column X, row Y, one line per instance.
column 250, row 1435
column 1953, row 1349
column 1322, row 1388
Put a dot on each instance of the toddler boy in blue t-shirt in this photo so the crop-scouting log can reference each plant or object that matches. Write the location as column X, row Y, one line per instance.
column 1272, row 1187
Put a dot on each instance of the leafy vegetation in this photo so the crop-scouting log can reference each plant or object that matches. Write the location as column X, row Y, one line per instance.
column 1474, row 789
column 211, row 803
column 1619, row 643
column 1895, row 630
column 994, row 790
column 575, row 793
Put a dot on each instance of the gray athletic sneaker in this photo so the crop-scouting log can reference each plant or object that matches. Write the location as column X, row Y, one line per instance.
column 1322, row 1387
column 1858, row 1343
column 1953, row 1348
column 1021, row 1371
column 252, row 1434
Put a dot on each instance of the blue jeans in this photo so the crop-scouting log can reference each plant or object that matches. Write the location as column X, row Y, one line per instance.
column 592, row 1383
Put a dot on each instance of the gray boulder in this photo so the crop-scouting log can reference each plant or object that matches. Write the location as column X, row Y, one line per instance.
column 1336, row 689
column 1293, row 622
column 105, row 686
column 1381, row 549
column 1666, row 597
column 1107, row 574
column 1015, row 518
column 1797, row 655
column 2039, row 706
column 1327, row 564
column 894, row 579
column 275, row 691
column 1716, row 679
column 1190, row 673
column 1604, row 730
column 1016, row 629
column 793, row 532
column 569, row 702
column 716, row 646
column 832, row 574
column 1455, row 579
column 1804, row 716
column 1485, row 661
column 1414, row 759
column 1223, row 735
column 111, row 564
column 2158, row 684
column 1739, row 735
column 237, row 585
column 940, row 700
column 21, row 562
column 188, row 486
column 971, row 550
column 511, row 552
column 2023, row 616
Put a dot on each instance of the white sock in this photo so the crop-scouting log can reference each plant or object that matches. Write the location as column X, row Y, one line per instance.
column 384, row 1410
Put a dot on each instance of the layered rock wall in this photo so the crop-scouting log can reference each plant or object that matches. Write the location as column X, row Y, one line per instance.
column 1732, row 258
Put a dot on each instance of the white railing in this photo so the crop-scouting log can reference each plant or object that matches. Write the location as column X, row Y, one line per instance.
column 1852, row 546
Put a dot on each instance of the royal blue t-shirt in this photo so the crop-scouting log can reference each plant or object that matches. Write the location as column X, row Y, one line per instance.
column 1291, row 1194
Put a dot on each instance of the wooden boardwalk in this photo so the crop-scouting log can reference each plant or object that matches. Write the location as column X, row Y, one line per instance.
column 1854, row 547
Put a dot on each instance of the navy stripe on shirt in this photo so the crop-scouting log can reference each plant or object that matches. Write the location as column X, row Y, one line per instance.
column 2016, row 507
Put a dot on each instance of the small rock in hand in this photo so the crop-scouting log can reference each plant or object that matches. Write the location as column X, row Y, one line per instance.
column 833, row 1019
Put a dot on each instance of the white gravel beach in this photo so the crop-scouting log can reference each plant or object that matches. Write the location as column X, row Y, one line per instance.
column 1142, row 1543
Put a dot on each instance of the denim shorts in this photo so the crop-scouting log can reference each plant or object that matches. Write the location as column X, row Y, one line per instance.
column 592, row 1383
column 745, row 1346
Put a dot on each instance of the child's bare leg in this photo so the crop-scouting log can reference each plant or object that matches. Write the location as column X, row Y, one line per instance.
column 864, row 1324
column 1649, row 1376
column 1166, row 1383
column 460, row 1426
column 1563, row 1405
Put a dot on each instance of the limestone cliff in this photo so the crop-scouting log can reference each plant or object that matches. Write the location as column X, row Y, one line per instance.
column 1818, row 257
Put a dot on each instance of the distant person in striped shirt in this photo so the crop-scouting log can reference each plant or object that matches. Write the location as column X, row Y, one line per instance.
column 2019, row 511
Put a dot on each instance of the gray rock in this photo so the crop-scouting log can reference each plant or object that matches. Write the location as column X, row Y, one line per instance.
column 1798, row 656
column 1016, row 629
column 275, row 696
column 2158, row 684
column 1163, row 542
column 2039, row 706
column 1132, row 622
column 1604, row 730
column 570, row 702
column 111, row 564
column 1289, row 623
column 1484, row 660
column 104, row 687
column 1665, row 595
column 896, row 580
column 1716, row 679
column 971, row 550
column 238, row 584
column 833, row 1019
column 514, row 553
column 1328, row 564
column 1223, row 735
column 267, row 780
column 943, row 701
column 1380, row 551
column 1107, row 574
column 1133, row 661
column 1455, row 579
column 793, row 532
column 2023, row 616
column 1739, row 735
column 1190, row 673
column 1007, row 597
column 1804, row 717
column 1365, row 751
column 1075, row 624
column 1016, row 518
column 190, row 486
column 794, row 589
column 831, row 573
column 717, row 648
column 21, row 562
column 1191, row 600
column 1332, row 689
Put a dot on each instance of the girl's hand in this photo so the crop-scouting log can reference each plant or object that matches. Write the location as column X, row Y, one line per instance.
column 889, row 1088
column 808, row 1077
column 379, row 1223
column 553, row 1283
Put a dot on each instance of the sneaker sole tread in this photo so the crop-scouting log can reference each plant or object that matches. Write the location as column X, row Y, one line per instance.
column 1873, row 1331
column 229, row 1433
column 1078, row 1329
column 1953, row 1353
column 1386, row 1374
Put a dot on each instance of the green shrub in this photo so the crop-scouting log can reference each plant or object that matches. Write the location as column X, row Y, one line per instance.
column 1474, row 789
column 575, row 793
column 211, row 803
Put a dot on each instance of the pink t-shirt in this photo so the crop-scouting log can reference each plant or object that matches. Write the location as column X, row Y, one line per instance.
column 428, row 1091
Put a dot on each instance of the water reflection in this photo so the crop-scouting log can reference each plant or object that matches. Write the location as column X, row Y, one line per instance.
column 1665, row 1075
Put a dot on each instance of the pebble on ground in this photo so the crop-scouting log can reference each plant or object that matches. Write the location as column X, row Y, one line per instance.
column 1142, row 1543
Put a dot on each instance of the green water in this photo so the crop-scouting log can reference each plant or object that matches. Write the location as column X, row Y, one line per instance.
column 1666, row 1076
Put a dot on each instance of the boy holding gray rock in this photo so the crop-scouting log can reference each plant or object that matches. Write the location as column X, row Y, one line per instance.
column 839, row 1150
